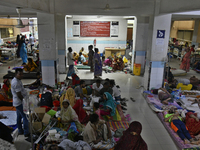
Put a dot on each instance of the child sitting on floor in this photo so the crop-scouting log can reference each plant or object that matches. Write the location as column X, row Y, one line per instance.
column 178, row 126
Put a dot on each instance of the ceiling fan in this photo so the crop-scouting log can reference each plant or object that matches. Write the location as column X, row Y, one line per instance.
column 19, row 21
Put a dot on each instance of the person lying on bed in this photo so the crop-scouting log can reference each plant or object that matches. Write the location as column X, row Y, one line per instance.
column 192, row 123
column 193, row 80
column 163, row 95
column 178, row 126
column 35, row 84
column 95, row 130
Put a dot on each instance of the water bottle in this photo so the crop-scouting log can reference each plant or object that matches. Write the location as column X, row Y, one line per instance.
column 180, row 92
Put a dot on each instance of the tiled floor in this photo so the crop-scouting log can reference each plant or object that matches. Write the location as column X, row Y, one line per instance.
column 154, row 133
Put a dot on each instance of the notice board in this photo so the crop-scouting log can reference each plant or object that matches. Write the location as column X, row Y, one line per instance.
column 95, row 28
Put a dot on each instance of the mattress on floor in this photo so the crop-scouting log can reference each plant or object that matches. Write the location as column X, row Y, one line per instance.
column 31, row 75
column 178, row 72
column 11, row 117
column 6, row 108
column 118, row 124
column 155, row 103
column 82, row 67
column 178, row 141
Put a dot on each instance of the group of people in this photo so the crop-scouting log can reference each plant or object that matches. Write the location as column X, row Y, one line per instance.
column 95, row 62
column 96, row 129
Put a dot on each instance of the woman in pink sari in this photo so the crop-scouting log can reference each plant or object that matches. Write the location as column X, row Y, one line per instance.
column 185, row 65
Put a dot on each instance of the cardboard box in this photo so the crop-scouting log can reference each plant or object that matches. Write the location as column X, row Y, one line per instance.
column 37, row 126
column 46, row 118
column 40, row 112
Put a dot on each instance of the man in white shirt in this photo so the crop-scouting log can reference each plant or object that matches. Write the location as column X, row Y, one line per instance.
column 70, row 63
column 31, row 41
column 116, row 92
column 96, row 87
column 19, row 93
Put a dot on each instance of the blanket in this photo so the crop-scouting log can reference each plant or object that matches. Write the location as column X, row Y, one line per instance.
column 11, row 117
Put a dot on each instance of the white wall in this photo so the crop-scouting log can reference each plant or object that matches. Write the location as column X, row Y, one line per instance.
column 101, row 42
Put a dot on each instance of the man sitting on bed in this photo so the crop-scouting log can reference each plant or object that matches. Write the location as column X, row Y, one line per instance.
column 178, row 126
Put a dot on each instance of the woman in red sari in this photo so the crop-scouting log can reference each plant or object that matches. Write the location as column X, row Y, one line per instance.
column 131, row 139
column 82, row 115
column 185, row 65
column 192, row 123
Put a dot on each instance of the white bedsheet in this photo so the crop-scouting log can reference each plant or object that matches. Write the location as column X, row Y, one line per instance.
column 11, row 117
column 193, row 107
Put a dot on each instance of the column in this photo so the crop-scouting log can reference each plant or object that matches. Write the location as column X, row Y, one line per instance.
column 195, row 33
column 141, row 41
column 159, row 31
column 61, row 43
column 47, row 47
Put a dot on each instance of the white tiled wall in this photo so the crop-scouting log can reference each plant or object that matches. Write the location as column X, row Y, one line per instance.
column 62, row 68
column 156, row 77
column 49, row 73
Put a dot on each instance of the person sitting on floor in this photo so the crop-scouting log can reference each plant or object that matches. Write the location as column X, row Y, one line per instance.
column 79, row 91
column 118, row 64
column 95, row 130
column 81, row 59
column 68, row 115
column 70, row 95
column 108, row 62
column 109, row 105
column 82, row 115
column 116, row 92
column 96, row 87
column 7, row 88
column 35, row 84
column 131, row 139
column 31, row 66
column 178, row 126
column 106, row 88
column 75, row 56
column 163, row 95
column 75, row 79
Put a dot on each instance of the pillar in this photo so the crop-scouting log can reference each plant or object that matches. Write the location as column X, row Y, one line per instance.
column 141, row 41
column 158, row 38
column 47, row 48
column 195, row 33
column 61, row 43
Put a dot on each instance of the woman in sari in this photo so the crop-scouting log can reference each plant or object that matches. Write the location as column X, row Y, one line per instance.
column 109, row 105
column 7, row 88
column 193, row 124
column 82, row 115
column 108, row 62
column 68, row 115
column 23, row 51
column 75, row 56
column 90, row 58
column 131, row 139
column 31, row 66
column 185, row 65
column 70, row 95
column 97, row 64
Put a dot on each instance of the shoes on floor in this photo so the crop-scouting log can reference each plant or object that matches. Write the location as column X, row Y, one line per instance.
column 132, row 99
column 123, row 108
column 123, row 103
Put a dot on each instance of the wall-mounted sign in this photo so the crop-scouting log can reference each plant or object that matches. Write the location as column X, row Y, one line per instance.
column 161, row 34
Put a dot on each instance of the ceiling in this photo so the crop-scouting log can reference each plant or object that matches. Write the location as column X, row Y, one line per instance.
column 137, row 8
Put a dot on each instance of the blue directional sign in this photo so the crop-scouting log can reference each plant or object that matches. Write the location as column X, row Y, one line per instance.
column 161, row 34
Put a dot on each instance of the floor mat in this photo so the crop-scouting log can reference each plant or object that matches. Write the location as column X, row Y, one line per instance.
column 118, row 124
